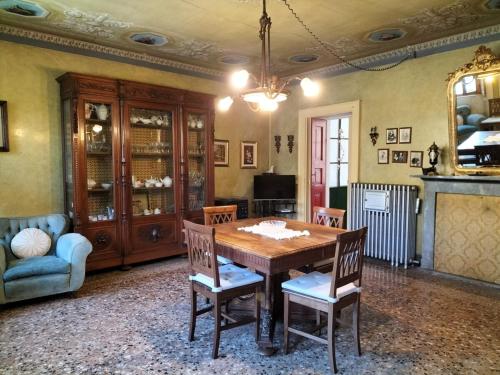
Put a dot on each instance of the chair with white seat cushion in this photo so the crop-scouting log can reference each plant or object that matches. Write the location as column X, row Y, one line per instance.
column 329, row 293
column 220, row 284
column 220, row 215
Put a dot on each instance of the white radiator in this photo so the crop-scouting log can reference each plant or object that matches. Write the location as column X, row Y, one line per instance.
column 390, row 213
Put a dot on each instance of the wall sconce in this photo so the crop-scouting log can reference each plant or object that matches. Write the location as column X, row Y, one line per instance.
column 277, row 143
column 373, row 135
column 290, row 143
column 433, row 153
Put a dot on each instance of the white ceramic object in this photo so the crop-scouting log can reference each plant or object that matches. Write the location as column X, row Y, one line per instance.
column 157, row 211
column 199, row 124
column 147, row 212
column 102, row 112
column 158, row 184
column 106, row 185
column 167, row 181
column 30, row 242
column 91, row 183
column 134, row 119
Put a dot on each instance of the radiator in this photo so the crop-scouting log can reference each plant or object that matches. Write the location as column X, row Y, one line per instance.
column 390, row 213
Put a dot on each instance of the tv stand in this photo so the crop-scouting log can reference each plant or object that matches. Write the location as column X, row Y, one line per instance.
column 274, row 207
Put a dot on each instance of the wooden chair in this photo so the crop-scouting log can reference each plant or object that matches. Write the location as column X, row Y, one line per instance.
column 219, row 215
column 330, row 293
column 218, row 283
column 331, row 217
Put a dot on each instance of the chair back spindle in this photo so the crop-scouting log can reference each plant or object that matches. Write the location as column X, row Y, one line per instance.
column 201, row 251
column 348, row 260
column 331, row 217
column 219, row 214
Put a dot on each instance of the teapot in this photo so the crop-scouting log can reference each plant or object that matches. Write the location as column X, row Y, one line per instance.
column 167, row 181
column 101, row 111
column 150, row 182
column 91, row 183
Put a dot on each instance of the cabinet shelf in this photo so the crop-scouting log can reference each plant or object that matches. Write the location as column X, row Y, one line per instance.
column 196, row 129
column 196, row 156
column 100, row 190
column 151, row 155
column 144, row 190
column 149, row 126
column 90, row 121
column 98, row 153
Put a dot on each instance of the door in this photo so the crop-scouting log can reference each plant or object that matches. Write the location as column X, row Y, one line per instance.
column 318, row 162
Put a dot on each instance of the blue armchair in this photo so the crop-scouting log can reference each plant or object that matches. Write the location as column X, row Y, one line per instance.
column 61, row 270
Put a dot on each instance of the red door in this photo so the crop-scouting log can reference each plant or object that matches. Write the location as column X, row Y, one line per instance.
column 318, row 162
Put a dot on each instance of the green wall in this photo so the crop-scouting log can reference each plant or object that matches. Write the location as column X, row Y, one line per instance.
column 413, row 94
column 31, row 173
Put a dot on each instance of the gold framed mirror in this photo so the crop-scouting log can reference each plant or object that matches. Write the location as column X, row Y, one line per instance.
column 474, row 115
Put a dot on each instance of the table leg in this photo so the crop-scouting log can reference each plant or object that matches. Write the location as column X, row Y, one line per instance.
column 272, row 310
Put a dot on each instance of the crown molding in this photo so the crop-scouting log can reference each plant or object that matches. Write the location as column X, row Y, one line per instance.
column 449, row 43
column 39, row 39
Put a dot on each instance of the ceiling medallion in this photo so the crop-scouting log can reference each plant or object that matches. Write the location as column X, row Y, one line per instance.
column 303, row 59
column 386, row 35
column 23, row 8
column 492, row 4
column 97, row 24
column 148, row 39
column 268, row 90
column 234, row 60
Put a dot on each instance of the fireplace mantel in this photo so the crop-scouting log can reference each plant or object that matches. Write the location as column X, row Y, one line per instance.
column 461, row 185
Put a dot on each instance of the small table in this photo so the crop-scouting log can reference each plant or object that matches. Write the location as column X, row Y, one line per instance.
column 273, row 259
column 472, row 145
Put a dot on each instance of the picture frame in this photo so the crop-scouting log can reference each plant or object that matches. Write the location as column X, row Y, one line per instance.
column 391, row 135
column 221, row 153
column 405, row 135
column 4, row 131
column 416, row 158
column 399, row 157
column 383, row 155
column 248, row 154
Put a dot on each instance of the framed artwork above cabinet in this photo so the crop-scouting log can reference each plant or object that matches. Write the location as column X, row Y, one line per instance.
column 136, row 163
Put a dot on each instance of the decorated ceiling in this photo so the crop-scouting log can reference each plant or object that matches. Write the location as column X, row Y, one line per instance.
column 214, row 36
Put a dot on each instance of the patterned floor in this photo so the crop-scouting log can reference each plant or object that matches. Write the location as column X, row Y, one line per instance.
column 135, row 322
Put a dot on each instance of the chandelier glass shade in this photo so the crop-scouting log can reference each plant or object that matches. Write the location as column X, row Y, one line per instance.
column 267, row 91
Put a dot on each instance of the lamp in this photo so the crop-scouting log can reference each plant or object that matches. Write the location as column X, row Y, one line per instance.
column 373, row 135
column 268, row 90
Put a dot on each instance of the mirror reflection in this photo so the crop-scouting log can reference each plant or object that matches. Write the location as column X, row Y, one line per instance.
column 478, row 119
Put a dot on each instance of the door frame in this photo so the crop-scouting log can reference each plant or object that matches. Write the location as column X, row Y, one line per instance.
column 304, row 149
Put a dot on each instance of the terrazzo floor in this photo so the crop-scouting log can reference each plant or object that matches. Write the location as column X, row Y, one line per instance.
column 136, row 322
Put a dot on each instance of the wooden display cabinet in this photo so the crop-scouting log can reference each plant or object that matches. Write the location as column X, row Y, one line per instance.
column 137, row 161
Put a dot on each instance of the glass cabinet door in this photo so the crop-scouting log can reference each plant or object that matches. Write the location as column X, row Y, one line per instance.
column 68, row 158
column 152, row 162
column 101, row 189
column 197, row 158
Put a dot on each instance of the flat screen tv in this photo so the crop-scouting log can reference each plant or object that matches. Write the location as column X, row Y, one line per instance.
column 274, row 186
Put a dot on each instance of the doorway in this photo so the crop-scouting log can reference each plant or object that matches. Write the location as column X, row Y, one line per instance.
column 304, row 149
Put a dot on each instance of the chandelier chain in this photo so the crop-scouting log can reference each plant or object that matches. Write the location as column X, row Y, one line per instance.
column 331, row 50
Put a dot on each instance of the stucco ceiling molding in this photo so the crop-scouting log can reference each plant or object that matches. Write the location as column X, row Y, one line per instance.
column 195, row 49
column 100, row 49
column 453, row 41
column 456, row 14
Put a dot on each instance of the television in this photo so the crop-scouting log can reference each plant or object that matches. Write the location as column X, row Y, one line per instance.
column 274, row 186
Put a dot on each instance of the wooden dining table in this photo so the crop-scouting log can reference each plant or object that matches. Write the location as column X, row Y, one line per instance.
column 274, row 259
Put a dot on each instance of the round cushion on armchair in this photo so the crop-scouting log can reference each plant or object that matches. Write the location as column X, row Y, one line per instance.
column 30, row 242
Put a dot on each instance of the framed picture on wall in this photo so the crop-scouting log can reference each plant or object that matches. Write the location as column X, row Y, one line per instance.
column 383, row 156
column 416, row 158
column 391, row 135
column 404, row 135
column 248, row 154
column 400, row 157
column 221, row 153
column 4, row 135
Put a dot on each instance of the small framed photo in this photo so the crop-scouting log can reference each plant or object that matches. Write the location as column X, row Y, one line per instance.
column 383, row 156
column 391, row 135
column 404, row 135
column 221, row 153
column 416, row 159
column 4, row 133
column 248, row 154
column 400, row 157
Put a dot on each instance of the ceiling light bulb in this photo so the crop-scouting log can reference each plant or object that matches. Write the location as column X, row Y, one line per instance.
column 225, row 103
column 309, row 87
column 239, row 79
column 97, row 128
column 268, row 105
column 489, row 79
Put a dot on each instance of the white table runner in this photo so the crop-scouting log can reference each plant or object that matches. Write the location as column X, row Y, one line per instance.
column 275, row 232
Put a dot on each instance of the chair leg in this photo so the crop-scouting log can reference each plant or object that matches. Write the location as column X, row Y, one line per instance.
column 318, row 321
column 286, row 319
column 355, row 323
column 257, row 314
column 331, row 338
column 192, row 322
column 217, row 328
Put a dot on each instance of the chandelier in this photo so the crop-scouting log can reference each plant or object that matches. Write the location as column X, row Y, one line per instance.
column 266, row 92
